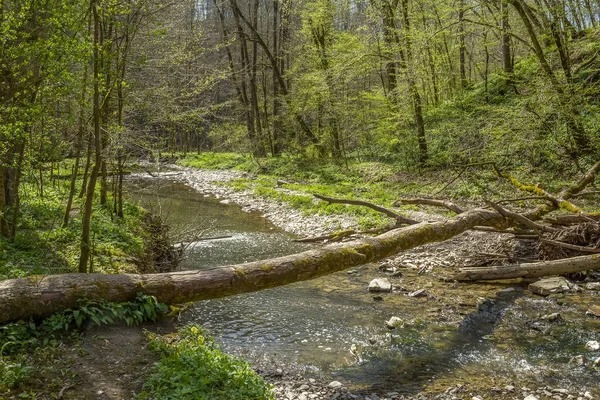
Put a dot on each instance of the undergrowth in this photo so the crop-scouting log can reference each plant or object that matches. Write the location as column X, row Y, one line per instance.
column 42, row 246
column 18, row 340
column 193, row 367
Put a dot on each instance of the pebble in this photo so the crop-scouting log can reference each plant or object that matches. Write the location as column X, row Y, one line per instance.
column 593, row 312
column 335, row 385
column 393, row 323
column 531, row 397
column 577, row 360
column 418, row 293
column 554, row 317
column 592, row 345
column 593, row 286
column 380, row 285
column 560, row 391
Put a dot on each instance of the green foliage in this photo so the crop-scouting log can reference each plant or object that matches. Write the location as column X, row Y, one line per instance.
column 13, row 374
column 42, row 246
column 22, row 335
column 18, row 339
column 193, row 367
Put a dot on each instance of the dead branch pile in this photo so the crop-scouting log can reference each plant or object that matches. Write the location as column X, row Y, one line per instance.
column 571, row 241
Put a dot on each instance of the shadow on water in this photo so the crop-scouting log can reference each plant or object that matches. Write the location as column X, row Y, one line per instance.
column 414, row 361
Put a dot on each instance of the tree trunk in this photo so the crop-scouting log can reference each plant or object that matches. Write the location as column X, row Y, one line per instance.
column 507, row 65
column 89, row 200
column 531, row 270
column 78, row 145
column 461, row 45
column 277, row 146
column 39, row 297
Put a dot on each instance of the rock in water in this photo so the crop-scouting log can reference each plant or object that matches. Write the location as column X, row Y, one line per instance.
column 418, row 293
column 592, row 345
column 578, row 361
column 380, row 285
column 548, row 286
column 594, row 311
column 335, row 385
column 554, row 317
column 593, row 286
column 393, row 323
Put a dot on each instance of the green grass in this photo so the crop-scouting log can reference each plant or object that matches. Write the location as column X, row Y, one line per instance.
column 381, row 183
column 193, row 367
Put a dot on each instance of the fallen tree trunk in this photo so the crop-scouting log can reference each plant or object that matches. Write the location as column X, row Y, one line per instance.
column 43, row 295
column 531, row 270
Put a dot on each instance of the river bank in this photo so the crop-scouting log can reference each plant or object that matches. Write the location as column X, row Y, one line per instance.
column 455, row 305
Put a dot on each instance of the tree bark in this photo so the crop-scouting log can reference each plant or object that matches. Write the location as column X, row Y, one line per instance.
column 88, row 209
column 41, row 296
column 531, row 270
column 507, row 65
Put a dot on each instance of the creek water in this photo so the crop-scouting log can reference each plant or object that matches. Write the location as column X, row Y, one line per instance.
column 333, row 328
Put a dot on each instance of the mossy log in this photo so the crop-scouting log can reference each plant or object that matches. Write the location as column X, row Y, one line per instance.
column 531, row 270
column 41, row 296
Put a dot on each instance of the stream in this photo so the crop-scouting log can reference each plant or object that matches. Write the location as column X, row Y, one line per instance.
column 333, row 328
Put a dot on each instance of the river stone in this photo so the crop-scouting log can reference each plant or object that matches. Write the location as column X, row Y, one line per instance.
column 531, row 397
column 577, row 360
column 393, row 323
column 593, row 286
column 594, row 311
column 592, row 345
column 548, row 286
column 418, row 293
column 335, row 385
column 380, row 285
column 554, row 317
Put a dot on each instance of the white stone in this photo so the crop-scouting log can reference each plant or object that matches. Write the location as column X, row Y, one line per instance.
column 592, row 345
column 560, row 391
column 380, row 285
column 593, row 286
column 418, row 293
column 548, row 286
column 531, row 397
column 335, row 385
column 393, row 323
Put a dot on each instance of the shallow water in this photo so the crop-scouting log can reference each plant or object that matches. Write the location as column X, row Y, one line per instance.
column 332, row 327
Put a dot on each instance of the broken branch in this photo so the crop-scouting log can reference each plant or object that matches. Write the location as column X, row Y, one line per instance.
column 432, row 202
column 530, row 270
column 399, row 218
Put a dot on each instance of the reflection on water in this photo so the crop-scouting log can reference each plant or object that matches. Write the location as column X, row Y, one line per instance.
column 332, row 325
